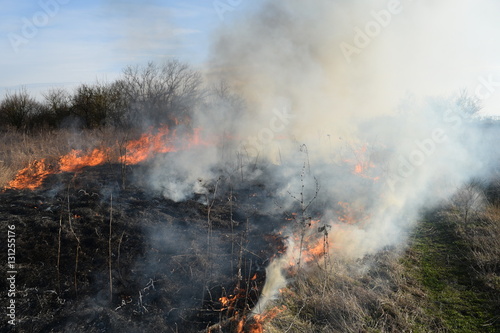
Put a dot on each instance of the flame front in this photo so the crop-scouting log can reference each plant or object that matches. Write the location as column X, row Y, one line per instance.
column 149, row 144
column 32, row 176
column 76, row 159
column 311, row 243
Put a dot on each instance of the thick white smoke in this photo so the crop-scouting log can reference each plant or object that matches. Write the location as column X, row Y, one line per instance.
column 372, row 75
column 363, row 96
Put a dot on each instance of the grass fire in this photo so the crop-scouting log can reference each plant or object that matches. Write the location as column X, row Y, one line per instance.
column 326, row 168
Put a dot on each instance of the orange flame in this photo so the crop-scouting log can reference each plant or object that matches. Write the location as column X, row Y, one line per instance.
column 32, row 176
column 256, row 323
column 76, row 160
column 362, row 164
column 313, row 251
column 163, row 140
column 149, row 144
column 349, row 215
column 228, row 302
column 224, row 301
column 346, row 214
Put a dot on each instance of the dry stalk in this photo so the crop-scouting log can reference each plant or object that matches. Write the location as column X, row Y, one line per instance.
column 110, row 252
column 77, row 245
column 232, row 224
column 305, row 221
column 210, row 204
column 123, row 160
column 118, row 256
column 59, row 255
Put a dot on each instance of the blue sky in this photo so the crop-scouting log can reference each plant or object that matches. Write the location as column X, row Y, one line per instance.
column 50, row 43
column 47, row 43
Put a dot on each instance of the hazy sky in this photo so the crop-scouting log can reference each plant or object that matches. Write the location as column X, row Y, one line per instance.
column 66, row 42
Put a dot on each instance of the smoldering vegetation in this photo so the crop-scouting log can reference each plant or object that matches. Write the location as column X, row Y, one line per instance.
column 445, row 279
column 339, row 172
column 390, row 124
column 97, row 257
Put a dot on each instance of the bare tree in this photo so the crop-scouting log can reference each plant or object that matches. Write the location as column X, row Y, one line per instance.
column 57, row 98
column 58, row 104
column 467, row 104
column 17, row 108
column 163, row 93
column 99, row 104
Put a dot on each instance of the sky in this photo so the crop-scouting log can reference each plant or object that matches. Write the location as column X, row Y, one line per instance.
column 63, row 43
column 48, row 43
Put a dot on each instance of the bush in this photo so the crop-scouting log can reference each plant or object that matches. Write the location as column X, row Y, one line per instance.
column 98, row 105
column 18, row 109
column 57, row 105
column 161, row 94
column 153, row 94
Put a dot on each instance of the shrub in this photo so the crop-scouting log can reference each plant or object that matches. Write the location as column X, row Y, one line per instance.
column 17, row 109
column 98, row 105
column 58, row 105
column 161, row 94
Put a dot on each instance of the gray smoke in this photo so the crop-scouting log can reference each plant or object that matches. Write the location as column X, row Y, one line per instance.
column 362, row 97
column 370, row 83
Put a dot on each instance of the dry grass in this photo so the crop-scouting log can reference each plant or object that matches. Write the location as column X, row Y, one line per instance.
column 448, row 280
column 476, row 221
column 18, row 150
column 381, row 293
column 375, row 295
column 483, row 239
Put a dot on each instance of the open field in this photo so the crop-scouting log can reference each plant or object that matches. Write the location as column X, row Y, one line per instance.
column 175, row 266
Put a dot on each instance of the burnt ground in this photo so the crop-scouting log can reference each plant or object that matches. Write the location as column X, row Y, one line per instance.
column 169, row 264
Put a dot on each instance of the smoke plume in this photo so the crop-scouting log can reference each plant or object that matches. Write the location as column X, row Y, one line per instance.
column 354, row 107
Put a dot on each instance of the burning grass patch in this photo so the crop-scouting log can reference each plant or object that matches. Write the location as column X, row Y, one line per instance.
column 435, row 285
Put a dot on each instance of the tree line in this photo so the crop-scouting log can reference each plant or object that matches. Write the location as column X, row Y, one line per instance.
column 154, row 94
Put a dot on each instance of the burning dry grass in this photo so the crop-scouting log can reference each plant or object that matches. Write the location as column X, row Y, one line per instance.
column 19, row 150
column 446, row 281
column 27, row 159
column 386, row 292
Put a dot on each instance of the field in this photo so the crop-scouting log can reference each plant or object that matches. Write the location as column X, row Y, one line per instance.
column 98, row 251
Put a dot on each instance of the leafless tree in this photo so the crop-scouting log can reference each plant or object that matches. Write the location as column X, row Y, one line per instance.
column 98, row 104
column 58, row 104
column 161, row 94
column 16, row 108
column 467, row 104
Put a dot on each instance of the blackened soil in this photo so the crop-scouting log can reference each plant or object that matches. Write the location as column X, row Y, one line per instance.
column 169, row 262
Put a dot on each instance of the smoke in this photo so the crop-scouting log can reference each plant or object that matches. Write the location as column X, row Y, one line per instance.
column 378, row 76
column 275, row 280
column 179, row 178
column 358, row 96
